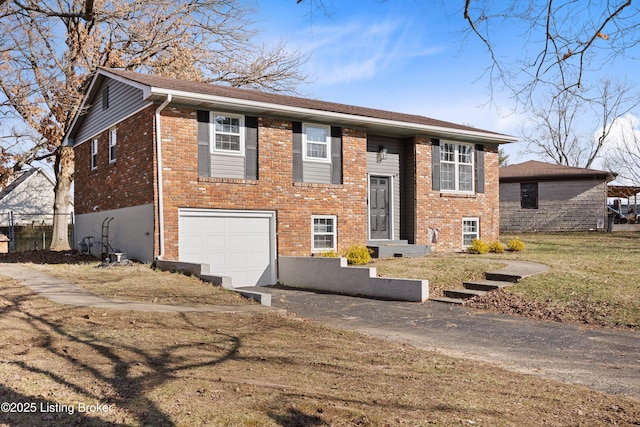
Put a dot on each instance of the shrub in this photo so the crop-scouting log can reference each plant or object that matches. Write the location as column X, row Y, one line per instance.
column 496, row 247
column 358, row 255
column 329, row 254
column 515, row 245
column 478, row 247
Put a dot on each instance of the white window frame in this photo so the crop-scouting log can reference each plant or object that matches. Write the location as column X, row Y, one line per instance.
column 113, row 141
column 327, row 143
column 476, row 234
column 213, row 132
column 333, row 233
column 457, row 167
column 94, row 154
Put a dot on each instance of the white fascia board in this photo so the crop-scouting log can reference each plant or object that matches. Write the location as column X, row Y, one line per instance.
column 329, row 115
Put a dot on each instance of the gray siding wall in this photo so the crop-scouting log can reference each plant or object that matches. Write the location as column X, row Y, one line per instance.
column 388, row 167
column 562, row 206
column 124, row 100
column 316, row 172
column 227, row 166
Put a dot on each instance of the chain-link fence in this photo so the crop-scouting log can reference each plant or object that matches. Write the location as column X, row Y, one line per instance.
column 30, row 231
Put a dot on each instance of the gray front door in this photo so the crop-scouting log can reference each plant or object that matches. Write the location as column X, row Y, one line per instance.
column 379, row 207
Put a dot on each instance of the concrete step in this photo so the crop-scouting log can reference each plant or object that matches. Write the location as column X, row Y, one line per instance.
column 463, row 293
column 503, row 277
column 448, row 300
column 486, row 285
column 398, row 250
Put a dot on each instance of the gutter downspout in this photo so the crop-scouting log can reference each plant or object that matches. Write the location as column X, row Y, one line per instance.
column 160, row 188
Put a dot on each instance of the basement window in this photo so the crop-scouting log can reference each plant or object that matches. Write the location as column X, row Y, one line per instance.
column 470, row 231
column 323, row 233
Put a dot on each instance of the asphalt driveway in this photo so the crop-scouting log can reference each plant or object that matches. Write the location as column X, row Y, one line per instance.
column 601, row 359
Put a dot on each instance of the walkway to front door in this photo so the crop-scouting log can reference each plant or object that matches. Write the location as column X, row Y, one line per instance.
column 379, row 207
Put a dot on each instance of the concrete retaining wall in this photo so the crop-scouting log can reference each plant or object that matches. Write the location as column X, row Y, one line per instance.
column 334, row 275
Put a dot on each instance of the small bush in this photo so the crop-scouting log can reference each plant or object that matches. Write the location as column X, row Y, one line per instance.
column 496, row 247
column 515, row 245
column 329, row 254
column 358, row 255
column 478, row 247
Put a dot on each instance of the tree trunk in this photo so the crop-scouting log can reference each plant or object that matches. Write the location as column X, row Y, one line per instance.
column 62, row 201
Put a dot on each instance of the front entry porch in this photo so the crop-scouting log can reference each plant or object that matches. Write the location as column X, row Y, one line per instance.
column 397, row 249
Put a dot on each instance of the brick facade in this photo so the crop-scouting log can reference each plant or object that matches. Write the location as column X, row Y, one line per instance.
column 131, row 181
column 127, row 182
column 274, row 189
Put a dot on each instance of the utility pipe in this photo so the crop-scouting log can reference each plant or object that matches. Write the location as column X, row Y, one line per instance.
column 159, row 162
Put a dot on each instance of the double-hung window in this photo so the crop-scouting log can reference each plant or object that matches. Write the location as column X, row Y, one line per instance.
column 470, row 230
column 227, row 134
column 529, row 195
column 315, row 141
column 456, row 167
column 94, row 154
column 323, row 233
column 113, row 139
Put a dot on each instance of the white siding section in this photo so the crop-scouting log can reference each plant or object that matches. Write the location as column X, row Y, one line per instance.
column 124, row 100
column 131, row 231
column 316, row 172
column 227, row 166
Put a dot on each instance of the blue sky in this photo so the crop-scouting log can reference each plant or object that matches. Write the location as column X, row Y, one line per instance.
column 401, row 55
column 394, row 55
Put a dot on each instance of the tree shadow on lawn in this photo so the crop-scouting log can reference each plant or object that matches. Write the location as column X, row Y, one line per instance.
column 84, row 365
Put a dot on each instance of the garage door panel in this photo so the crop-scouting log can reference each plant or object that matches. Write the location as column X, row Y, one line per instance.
column 237, row 244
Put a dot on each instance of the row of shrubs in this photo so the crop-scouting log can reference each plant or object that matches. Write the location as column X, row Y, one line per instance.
column 361, row 255
column 480, row 247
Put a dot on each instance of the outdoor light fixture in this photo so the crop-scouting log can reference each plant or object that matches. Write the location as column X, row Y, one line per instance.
column 382, row 153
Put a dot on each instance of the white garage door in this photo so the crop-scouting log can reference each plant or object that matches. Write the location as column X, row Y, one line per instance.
column 239, row 244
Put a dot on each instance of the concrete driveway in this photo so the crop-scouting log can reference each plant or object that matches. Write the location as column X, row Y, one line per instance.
column 601, row 359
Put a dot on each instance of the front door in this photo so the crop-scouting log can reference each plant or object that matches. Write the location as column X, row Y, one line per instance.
column 379, row 207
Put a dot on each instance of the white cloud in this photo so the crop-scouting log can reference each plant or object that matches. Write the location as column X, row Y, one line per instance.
column 360, row 50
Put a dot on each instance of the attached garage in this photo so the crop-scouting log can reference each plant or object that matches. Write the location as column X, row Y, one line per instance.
column 240, row 244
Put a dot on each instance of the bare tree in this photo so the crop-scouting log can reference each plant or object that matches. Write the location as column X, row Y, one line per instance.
column 561, row 41
column 624, row 155
column 556, row 130
column 49, row 50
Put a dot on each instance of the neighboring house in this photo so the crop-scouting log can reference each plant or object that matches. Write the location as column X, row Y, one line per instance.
column 29, row 196
column 236, row 178
column 538, row 196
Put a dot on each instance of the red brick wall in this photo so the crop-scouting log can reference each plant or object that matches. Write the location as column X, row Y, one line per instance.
column 274, row 190
column 131, row 181
column 444, row 211
column 127, row 182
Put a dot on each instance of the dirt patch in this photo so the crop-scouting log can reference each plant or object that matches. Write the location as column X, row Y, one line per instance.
column 47, row 257
column 576, row 311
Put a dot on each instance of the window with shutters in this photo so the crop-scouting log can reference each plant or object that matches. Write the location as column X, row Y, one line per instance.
column 456, row 167
column 315, row 143
column 227, row 135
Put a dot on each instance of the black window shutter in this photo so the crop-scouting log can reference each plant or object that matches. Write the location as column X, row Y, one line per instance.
column 336, row 155
column 435, row 164
column 479, row 168
column 204, row 158
column 297, row 151
column 251, row 147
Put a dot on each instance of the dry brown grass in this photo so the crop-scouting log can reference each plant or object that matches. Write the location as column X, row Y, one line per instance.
column 170, row 369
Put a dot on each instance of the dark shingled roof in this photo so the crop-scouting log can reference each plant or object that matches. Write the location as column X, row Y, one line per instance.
column 285, row 100
column 540, row 171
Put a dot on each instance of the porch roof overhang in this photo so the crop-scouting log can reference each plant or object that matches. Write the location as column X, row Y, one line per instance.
column 374, row 125
column 625, row 191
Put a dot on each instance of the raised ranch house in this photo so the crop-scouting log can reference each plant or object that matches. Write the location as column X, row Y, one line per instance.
column 538, row 196
column 237, row 178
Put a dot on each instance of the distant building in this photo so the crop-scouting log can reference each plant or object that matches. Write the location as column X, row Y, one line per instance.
column 29, row 196
column 538, row 196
